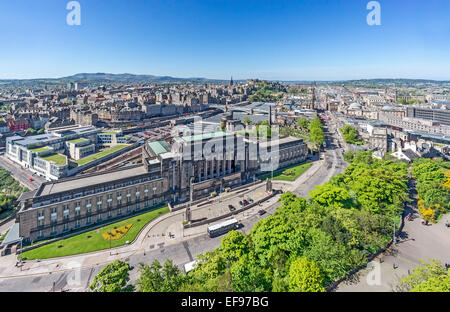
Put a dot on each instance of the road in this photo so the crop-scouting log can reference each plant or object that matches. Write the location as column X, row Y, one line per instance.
column 20, row 174
column 75, row 273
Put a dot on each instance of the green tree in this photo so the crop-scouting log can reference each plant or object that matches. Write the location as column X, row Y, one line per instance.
column 316, row 131
column 233, row 246
column 305, row 276
column 303, row 123
column 247, row 121
column 112, row 278
column 430, row 276
column 331, row 195
column 349, row 133
column 160, row 278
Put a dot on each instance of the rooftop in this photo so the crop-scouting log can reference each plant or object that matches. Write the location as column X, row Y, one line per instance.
column 39, row 149
column 69, row 184
column 58, row 159
column 77, row 141
column 159, row 147
column 205, row 136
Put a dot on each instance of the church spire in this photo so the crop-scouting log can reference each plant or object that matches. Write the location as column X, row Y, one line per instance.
column 231, row 81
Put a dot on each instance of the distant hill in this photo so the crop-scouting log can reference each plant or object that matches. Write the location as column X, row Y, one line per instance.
column 99, row 78
column 107, row 78
column 129, row 78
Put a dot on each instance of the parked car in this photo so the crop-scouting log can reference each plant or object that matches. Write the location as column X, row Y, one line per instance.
column 241, row 204
column 261, row 212
column 250, row 200
column 245, row 202
column 30, row 179
column 231, row 207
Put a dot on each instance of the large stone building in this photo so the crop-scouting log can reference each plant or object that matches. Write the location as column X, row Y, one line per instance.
column 186, row 168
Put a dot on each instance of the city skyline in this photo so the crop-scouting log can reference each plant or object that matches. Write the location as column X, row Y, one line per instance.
column 273, row 40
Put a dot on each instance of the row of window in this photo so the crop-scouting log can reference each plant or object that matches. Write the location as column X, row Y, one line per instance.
column 99, row 203
column 90, row 220
column 94, row 191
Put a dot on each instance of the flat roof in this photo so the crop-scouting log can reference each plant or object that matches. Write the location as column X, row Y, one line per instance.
column 280, row 141
column 77, row 140
column 58, row 159
column 159, row 147
column 205, row 136
column 64, row 185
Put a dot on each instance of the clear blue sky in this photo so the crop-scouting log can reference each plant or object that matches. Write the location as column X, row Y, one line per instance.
column 277, row 39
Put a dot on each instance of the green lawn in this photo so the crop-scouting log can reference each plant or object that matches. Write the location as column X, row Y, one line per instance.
column 287, row 174
column 3, row 236
column 58, row 159
column 39, row 149
column 102, row 154
column 81, row 243
column 77, row 141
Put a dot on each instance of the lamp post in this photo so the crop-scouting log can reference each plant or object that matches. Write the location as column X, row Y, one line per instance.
column 395, row 239
column 20, row 254
column 109, row 233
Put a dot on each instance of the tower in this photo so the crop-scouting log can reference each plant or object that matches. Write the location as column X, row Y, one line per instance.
column 231, row 81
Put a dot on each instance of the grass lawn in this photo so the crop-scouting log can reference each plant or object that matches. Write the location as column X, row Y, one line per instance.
column 39, row 149
column 287, row 174
column 58, row 159
column 77, row 141
column 3, row 236
column 102, row 154
column 81, row 243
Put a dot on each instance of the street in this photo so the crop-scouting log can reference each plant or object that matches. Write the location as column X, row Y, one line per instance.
column 20, row 174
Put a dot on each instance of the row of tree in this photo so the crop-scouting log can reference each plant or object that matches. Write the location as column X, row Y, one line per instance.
column 350, row 134
column 433, row 187
column 316, row 132
column 306, row 244
column 10, row 190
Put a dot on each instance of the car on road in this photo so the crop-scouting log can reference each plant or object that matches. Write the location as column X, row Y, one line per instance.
column 31, row 179
column 231, row 207
column 261, row 212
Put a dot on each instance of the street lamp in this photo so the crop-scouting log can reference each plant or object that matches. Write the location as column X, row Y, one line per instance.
column 20, row 254
column 395, row 239
column 109, row 233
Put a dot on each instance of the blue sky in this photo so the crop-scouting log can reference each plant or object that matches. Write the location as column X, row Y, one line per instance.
column 276, row 39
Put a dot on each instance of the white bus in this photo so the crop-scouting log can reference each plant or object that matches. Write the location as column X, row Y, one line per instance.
column 222, row 228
